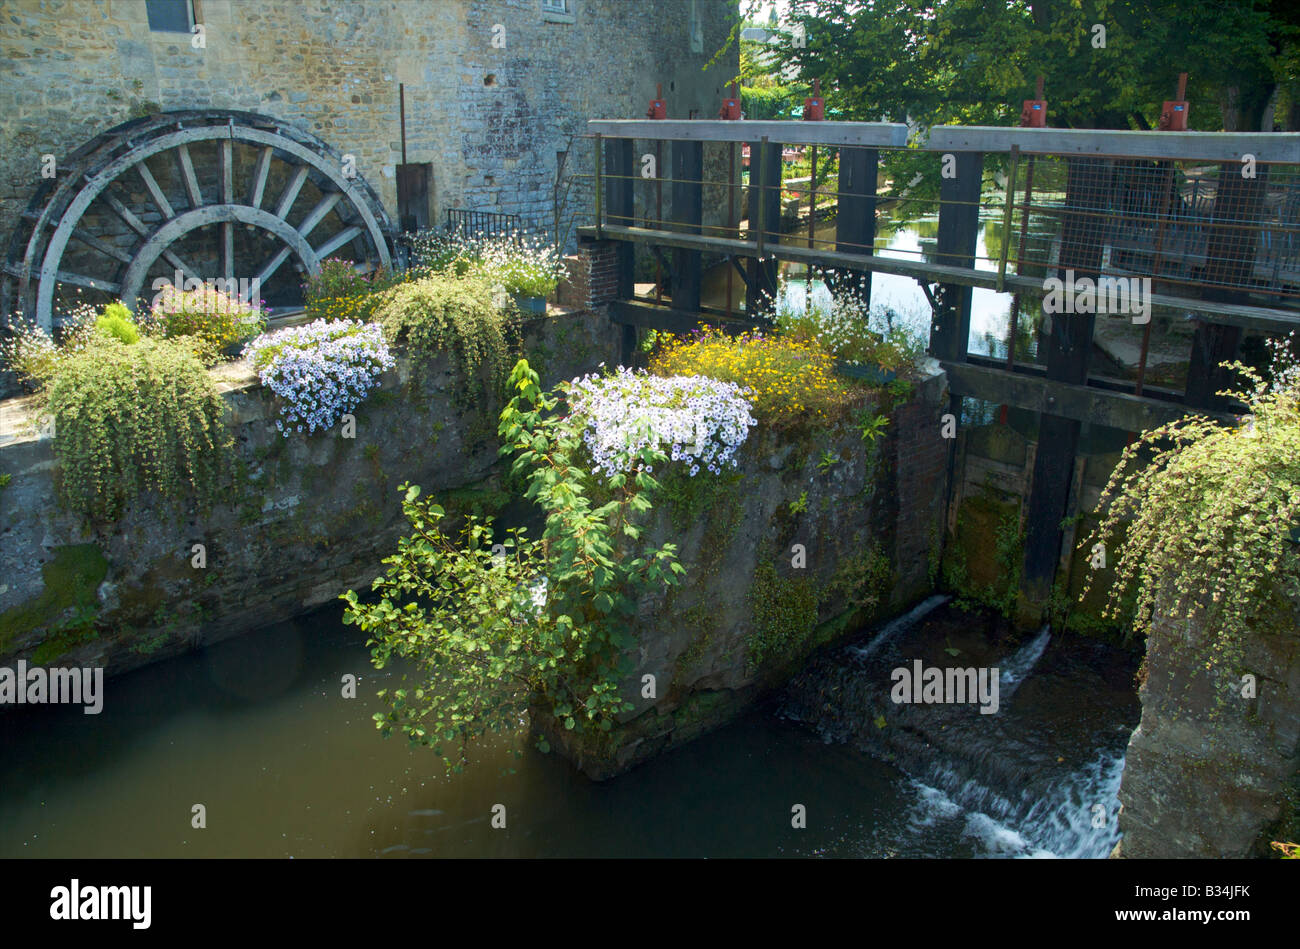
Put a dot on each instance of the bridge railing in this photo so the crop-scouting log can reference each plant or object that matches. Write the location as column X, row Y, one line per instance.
column 1211, row 220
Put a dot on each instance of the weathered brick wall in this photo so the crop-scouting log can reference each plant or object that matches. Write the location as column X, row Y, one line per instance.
column 490, row 120
column 922, row 486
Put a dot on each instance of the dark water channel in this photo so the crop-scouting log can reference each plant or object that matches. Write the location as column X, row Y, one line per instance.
column 256, row 729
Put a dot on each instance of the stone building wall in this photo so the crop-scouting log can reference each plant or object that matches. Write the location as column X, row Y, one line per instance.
column 490, row 118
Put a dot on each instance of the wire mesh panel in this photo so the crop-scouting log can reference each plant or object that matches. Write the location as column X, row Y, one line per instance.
column 1168, row 244
column 1188, row 226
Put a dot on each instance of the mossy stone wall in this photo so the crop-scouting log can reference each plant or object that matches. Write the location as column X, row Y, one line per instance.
column 794, row 551
column 311, row 516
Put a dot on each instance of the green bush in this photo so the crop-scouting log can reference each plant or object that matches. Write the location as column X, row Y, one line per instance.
column 486, row 635
column 132, row 418
column 213, row 320
column 444, row 314
column 116, row 321
column 1199, row 521
column 338, row 292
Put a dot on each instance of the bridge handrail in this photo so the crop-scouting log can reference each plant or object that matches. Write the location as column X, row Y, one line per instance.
column 1266, row 147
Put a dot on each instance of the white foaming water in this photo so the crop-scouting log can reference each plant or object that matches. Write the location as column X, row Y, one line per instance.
column 1017, row 667
column 895, row 626
column 1057, row 823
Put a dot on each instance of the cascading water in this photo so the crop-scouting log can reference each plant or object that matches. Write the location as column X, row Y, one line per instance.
column 1038, row 778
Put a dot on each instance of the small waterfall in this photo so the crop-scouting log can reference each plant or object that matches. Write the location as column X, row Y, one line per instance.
column 1039, row 778
column 897, row 625
column 1014, row 669
column 1059, row 821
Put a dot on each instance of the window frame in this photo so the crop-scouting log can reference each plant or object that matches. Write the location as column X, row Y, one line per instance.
column 551, row 14
column 191, row 12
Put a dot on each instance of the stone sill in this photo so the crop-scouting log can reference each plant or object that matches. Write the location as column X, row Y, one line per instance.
column 549, row 16
column 233, row 380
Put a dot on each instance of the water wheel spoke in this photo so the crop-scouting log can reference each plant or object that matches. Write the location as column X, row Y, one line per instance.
column 96, row 244
column 90, row 283
column 273, row 265
column 159, row 199
column 226, row 153
column 187, row 270
column 291, row 192
column 187, row 175
column 317, row 214
column 338, row 240
column 126, row 215
column 142, row 229
column 260, row 173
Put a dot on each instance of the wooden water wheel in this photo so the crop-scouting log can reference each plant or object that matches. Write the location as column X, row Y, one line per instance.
column 210, row 194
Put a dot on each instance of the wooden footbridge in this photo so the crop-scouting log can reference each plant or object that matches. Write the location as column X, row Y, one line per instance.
column 1212, row 220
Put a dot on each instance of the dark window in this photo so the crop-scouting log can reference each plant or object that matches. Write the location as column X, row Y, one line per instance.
column 555, row 6
column 169, row 16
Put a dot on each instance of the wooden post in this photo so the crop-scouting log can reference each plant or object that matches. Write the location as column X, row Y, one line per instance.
column 855, row 217
column 765, row 221
column 619, row 211
column 619, row 207
column 959, row 220
column 1069, row 345
column 687, row 215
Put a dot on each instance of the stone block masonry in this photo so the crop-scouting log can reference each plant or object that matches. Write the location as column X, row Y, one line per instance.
column 313, row 517
column 491, row 117
column 752, row 606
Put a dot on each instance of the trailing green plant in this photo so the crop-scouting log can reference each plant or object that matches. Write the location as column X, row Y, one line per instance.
column 800, row 505
column 461, row 316
column 534, row 624
column 135, row 418
column 784, row 616
column 1200, row 520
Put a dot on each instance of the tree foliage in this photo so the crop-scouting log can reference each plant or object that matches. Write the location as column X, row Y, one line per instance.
column 972, row 62
column 537, row 622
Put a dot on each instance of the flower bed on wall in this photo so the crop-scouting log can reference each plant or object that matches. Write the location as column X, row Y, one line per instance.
column 697, row 421
column 320, row 370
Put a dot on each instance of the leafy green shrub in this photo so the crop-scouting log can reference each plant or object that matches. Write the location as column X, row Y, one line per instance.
column 1202, row 520
column 540, row 620
column 116, row 321
column 443, row 314
column 338, row 292
column 212, row 320
column 134, row 418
